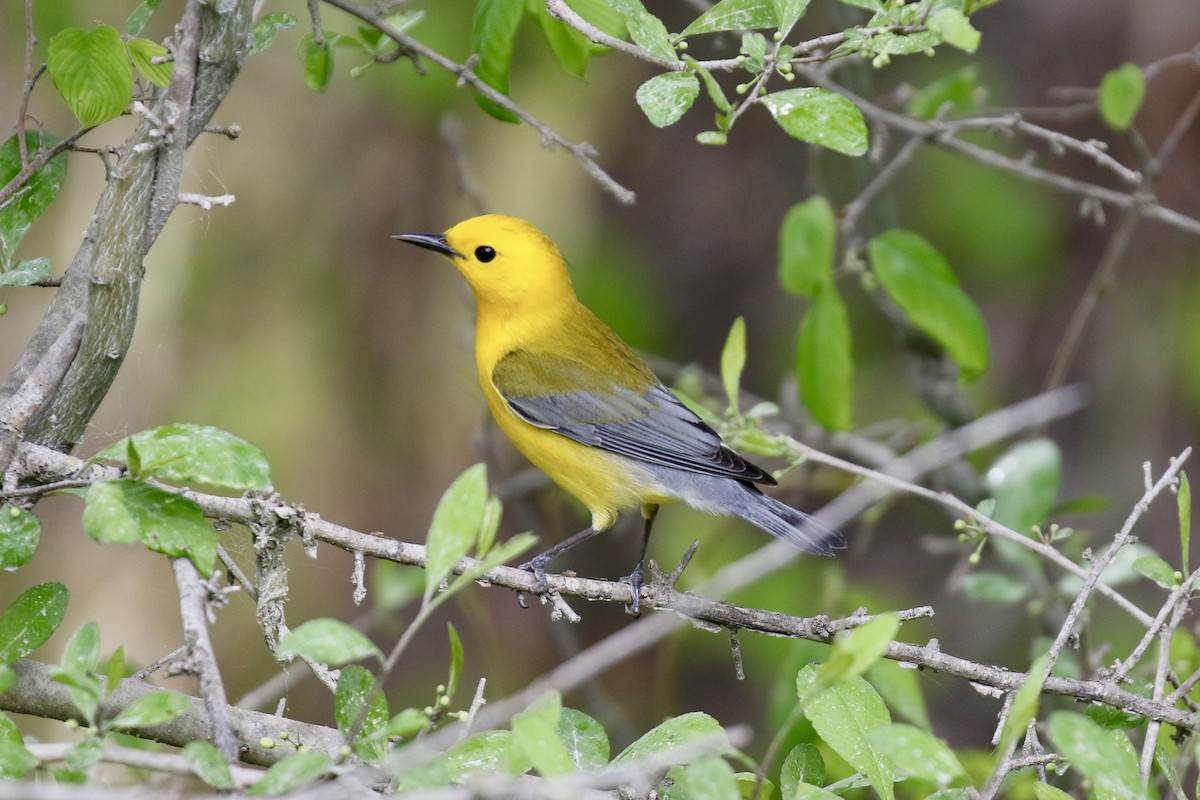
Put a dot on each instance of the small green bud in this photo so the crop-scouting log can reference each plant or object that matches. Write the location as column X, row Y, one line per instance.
column 284, row 736
column 762, row 90
column 974, row 557
column 741, row 88
column 740, row 59
column 72, row 724
column 344, row 751
column 266, row 743
column 778, row 36
column 681, row 45
column 789, row 76
column 14, row 512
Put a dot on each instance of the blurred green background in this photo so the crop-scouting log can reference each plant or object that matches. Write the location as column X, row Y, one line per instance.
column 291, row 319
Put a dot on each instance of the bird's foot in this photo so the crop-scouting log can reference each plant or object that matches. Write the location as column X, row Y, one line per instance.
column 634, row 579
column 536, row 565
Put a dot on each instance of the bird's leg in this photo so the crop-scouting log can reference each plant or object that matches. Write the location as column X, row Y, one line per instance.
column 634, row 579
column 537, row 564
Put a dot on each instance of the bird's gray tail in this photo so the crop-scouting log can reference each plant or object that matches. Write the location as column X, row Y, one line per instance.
column 784, row 522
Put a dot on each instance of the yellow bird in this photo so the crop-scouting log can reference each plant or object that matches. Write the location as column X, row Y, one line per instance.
column 580, row 405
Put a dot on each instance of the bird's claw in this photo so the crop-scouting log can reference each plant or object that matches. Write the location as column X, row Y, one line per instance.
column 536, row 565
column 634, row 579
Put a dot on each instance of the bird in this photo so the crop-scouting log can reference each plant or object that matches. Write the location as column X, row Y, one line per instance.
column 585, row 409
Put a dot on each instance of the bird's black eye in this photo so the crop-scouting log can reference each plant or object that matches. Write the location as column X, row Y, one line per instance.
column 484, row 253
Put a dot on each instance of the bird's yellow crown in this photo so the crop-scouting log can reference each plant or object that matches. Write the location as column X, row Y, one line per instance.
column 510, row 265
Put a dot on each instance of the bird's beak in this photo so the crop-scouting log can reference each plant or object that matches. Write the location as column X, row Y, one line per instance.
column 430, row 241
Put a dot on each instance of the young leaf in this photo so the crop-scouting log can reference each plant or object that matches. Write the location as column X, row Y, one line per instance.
column 31, row 620
column 1121, row 93
column 318, row 62
column 819, row 116
column 151, row 709
column 493, row 31
column 1184, row 500
column 535, row 731
column 188, row 453
column 825, row 360
column 843, row 716
column 299, row 769
column 900, row 689
column 19, row 213
column 91, row 71
column 571, row 48
column 645, row 29
column 456, row 660
column 735, row 15
column 143, row 52
column 803, row 765
column 1024, row 481
column 918, row 278
column 1024, row 705
column 353, row 686
column 268, row 27
column 806, row 246
column 84, row 754
column 715, row 94
column 707, row 778
column 20, row 533
column 78, row 661
column 140, row 16
column 123, row 509
column 15, row 758
column 1106, row 757
column 1157, row 570
column 455, row 526
column 733, row 360
column 8, row 676
column 956, row 29
column 918, row 753
column 956, row 90
column 665, row 98
column 672, row 734
column 854, row 651
column 1044, row 791
column 328, row 641
column 115, row 672
column 208, row 764
column 790, row 12
column 585, row 740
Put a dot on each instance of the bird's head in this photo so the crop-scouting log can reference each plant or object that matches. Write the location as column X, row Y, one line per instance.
column 508, row 263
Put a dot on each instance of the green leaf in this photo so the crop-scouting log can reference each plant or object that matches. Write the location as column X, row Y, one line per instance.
column 1107, row 757
column 585, row 740
column 707, row 778
column 126, row 510
column 843, row 715
column 299, row 769
column 733, row 361
column 955, row 28
column 1115, row 719
column 665, row 98
column 1024, row 481
column 493, row 32
column 208, row 765
column 1158, row 571
column 84, row 754
column 825, row 360
column 1044, row 791
column 956, row 90
column 456, row 660
column 15, row 758
column 268, row 27
column 676, row 732
column 714, row 138
column 20, row 533
column 715, row 94
column 25, row 272
column 455, row 527
column 353, row 687
column 855, row 650
column 535, row 730
column 994, row 587
column 646, row 30
column 19, row 213
column 789, row 13
column 1184, row 498
column 189, row 454
column 318, row 64
column 115, row 671
column 1024, row 705
column 735, row 15
column 571, row 49
column 140, row 16
column 407, row 724
column 31, row 620
column 900, row 689
column 485, row 753
column 8, row 676
column 803, row 765
column 1121, row 93
column 807, row 240
column 91, row 71
column 328, row 641
column 917, row 753
column 806, row 792
column 819, row 116
column 918, row 278
column 78, row 661
column 143, row 52
column 156, row 708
